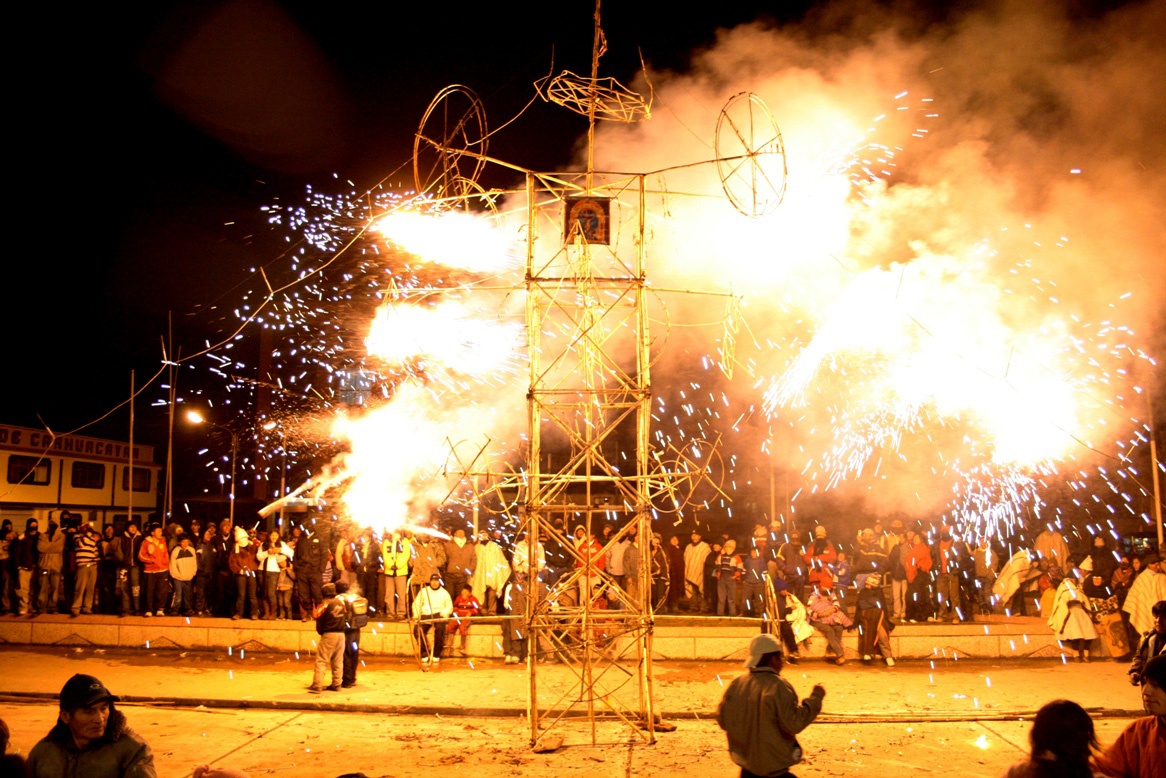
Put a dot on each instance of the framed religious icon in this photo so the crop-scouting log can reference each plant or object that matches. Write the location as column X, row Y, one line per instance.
column 588, row 218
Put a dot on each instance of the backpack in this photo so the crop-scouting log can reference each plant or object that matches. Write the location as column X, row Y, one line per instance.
column 356, row 612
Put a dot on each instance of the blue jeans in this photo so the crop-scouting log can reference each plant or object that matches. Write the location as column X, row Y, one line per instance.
column 183, row 598
column 727, row 593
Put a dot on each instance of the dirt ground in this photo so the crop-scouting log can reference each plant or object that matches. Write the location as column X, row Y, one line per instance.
column 254, row 714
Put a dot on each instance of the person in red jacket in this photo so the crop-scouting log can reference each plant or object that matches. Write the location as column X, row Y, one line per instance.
column 156, row 558
column 918, row 564
column 820, row 558
column 245, row 567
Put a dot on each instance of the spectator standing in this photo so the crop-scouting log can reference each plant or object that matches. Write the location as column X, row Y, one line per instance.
column 308, row 566
column 1140, row 750
column 592, row 561
column 753, row 581
column 987, row 562
column 461, row 560
column 820, row 558
column 244, row 567
column 631, row 559
column 331, row 624
column 27, row 567
column 873, row 626
column 183, row 569
column 659, row 570
column 947, row 578
column 514, row 641
column 431, row 608
column 793, row 565
column 129, row 569
column 491, row 570
column 396, row 549
column 342, row 555
column 271, row 556
column 1148, row 588
column 50, row 548
column 355, row 619
column 86, row 558
column 367, row 565
column 729, row 571
column 695, row 555
column 1071, row 617
column 107, row 598
column 156, row 566
column 918, row 569
column 428, row 560
column 675, row 553
column 869, row 556
column 204, row 576
column 91, row 738
column 222, row 599
column 1050, row 544
column 614, row 563
column 284, row 585
column 6, row 592
column 761, row 715
column 1063, row 743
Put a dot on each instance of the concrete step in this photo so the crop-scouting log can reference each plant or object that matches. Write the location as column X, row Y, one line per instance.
column 673, row 637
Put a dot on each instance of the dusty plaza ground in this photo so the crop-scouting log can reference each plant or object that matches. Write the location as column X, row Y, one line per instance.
column 253, row 713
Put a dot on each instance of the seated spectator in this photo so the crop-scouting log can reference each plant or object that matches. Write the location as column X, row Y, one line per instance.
column 431, row 607
column 91, row 738
column 1140, row 750
column 464, row 607
column 1152, row 644
column 827, row 616
column 1063, row 741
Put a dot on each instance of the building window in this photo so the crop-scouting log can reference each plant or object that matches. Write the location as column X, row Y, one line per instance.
column 141, row 479
column 35, row 471
column 88, row 475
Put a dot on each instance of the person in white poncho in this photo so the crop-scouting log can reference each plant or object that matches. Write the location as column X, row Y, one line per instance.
column 1071, row 618
column 1148, row 588
column 490, row 574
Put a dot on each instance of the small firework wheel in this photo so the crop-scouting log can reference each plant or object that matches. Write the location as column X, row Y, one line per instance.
column 750, row 155
column 450, row 144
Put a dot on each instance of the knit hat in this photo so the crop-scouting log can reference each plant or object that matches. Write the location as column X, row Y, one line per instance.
column 81, row 691
column 1155, row 670
column 759, row 646
column 328, row 590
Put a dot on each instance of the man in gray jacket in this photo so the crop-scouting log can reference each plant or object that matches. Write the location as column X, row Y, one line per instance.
column 761, row 715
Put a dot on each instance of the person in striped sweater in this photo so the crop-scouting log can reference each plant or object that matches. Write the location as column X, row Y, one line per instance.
column 86, row 556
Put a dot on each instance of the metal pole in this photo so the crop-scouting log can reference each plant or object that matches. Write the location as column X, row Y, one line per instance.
column 130, row 469
column 234, row 450
column 1154, row 471
column 283, row 475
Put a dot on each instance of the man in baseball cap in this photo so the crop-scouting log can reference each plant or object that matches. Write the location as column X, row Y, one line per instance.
column 761, row 715
column 91, row 737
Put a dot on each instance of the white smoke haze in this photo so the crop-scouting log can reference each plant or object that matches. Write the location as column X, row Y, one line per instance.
column 975, row 289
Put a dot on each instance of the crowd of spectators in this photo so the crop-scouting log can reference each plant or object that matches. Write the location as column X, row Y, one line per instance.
column 881, row 577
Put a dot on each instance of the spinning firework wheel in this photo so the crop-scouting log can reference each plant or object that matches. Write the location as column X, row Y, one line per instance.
column 686, row 477
column 449, row 147
column 750, row 155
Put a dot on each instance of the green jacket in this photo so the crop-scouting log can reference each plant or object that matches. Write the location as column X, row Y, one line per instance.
column 119, row 753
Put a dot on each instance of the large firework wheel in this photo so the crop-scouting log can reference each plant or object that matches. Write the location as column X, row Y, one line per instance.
column 450, row 143
column 692, row 475
column 750, row 155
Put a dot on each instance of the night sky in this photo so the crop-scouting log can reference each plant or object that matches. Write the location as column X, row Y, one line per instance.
column 154, row 135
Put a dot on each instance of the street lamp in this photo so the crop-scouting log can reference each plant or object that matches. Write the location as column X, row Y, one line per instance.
column 194, row 417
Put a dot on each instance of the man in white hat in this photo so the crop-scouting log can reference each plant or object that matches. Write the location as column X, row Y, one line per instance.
column 761, row 715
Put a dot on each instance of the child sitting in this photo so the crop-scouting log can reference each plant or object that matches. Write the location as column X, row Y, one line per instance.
column 465, row 606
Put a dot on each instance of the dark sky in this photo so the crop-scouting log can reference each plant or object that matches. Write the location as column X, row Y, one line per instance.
column 147, row 131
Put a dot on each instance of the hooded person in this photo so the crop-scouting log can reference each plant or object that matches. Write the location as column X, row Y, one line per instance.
column 91, row 737
column 761, row 715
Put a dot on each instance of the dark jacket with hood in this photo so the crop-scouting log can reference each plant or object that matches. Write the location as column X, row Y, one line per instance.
column 119, row 753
